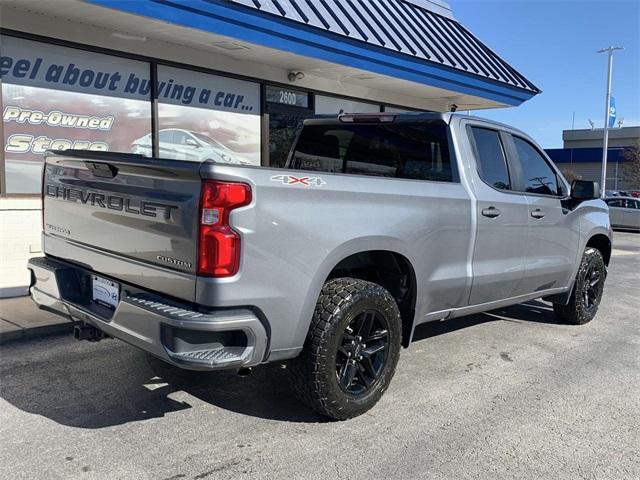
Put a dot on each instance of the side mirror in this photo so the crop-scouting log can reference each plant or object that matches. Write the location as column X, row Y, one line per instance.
column 192, row 143
column 584, row 190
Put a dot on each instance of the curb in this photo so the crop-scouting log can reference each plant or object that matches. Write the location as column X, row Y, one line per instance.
column 26, row 334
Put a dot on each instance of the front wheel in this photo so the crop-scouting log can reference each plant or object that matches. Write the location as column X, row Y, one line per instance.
column 587, row 290
column 351, row 350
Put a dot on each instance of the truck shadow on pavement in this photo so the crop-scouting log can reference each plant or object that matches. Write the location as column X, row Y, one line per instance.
column 101, row 385
column 532, row 311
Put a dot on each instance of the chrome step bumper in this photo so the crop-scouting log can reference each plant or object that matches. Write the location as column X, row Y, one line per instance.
column 219, row 339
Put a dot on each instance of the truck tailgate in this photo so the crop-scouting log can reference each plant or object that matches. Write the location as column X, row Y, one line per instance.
column 127, row 217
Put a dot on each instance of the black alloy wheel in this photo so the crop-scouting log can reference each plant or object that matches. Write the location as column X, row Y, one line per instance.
column 587, row 290
column 351, row 350
column 362, row 352
column 592, row 288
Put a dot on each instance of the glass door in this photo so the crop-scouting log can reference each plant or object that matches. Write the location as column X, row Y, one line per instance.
column 286, row 110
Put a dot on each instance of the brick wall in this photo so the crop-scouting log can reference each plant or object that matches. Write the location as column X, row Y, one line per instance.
column 20, row 226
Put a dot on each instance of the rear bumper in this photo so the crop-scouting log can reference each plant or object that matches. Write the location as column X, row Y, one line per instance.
column 216, row 340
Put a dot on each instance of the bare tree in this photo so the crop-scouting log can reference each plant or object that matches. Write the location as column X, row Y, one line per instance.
column 631, row 165
column 570, row 175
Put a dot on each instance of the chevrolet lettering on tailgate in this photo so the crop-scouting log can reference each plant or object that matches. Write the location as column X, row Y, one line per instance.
column 110, row 201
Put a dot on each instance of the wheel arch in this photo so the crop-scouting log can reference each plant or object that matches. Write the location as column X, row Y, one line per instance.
column 602, row 243
column 391, row 270
column 383, row 260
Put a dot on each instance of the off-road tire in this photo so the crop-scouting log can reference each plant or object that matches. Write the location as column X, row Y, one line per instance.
column 576, row 312
column 315, row 379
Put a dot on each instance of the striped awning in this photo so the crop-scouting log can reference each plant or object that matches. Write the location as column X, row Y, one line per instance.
column 403, row 26
column 410, row 48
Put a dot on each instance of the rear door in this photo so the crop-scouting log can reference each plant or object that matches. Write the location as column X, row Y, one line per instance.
column 502, row 221
column 632, row 214
column 554, row 231
column 128, row 217
column 616, row 211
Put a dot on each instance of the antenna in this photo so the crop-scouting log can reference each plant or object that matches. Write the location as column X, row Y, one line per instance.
column 593, row 125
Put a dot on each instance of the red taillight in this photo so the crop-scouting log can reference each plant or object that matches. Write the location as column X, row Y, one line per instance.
column 218, row 243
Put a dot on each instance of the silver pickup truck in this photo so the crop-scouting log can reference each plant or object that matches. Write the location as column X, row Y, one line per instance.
column 378, row 223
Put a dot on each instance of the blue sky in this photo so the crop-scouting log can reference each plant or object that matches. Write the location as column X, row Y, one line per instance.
column 554, row 43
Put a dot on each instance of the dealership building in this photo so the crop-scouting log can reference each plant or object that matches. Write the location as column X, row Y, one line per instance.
column 581, row 155
column 215, row 80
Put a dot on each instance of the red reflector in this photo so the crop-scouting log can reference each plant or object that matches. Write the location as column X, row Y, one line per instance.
column 218, row 243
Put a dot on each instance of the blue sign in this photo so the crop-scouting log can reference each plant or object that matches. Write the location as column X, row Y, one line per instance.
column 612, row 112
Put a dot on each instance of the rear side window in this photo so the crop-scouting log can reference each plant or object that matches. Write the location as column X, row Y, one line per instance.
column 166, row 136
column 401, row 150
column 537, row 175
column 615, row 203
column 491, row 162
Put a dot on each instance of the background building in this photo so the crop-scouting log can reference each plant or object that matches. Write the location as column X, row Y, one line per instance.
column 582, row 155
column 226, row 80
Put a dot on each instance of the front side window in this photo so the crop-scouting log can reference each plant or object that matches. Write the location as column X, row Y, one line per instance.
column 180, row 138
column 614, row 203
column 402, row 150
column 491, row 161
column 538, row 177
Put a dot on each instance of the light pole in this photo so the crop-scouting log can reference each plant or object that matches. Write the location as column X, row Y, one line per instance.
column 607, row 103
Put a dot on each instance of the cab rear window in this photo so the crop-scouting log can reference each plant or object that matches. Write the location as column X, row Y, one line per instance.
column 417, row 151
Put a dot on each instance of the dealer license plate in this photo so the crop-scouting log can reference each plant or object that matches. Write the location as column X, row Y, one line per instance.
column 105, row 292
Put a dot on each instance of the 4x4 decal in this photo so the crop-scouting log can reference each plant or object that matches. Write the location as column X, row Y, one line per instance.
column 303, row 181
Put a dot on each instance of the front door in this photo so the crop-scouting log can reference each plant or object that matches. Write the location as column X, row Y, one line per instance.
column 502, row 222
column 554, row 231
column 632, row 214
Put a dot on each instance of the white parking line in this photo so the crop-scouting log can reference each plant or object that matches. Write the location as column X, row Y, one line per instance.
column 615, row 252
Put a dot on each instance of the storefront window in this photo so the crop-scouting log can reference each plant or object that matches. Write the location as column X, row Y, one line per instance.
column 206, row 117
column 59, row 98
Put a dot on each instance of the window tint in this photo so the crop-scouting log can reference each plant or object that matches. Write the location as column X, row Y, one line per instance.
column 537, row 175
column 402, row 150
column 166, row 136
column 614, row 203
column 180, row 137
column 492, row 165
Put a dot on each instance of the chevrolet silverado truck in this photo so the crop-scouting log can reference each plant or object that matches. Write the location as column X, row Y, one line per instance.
column 377, row 224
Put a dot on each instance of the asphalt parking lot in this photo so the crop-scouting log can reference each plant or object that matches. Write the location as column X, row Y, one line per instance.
column 508, row 394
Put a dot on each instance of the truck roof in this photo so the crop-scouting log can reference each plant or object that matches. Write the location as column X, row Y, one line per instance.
column 408, row 117
column 402, row 117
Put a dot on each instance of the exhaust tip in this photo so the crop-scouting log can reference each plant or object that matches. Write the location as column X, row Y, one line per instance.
column 244, row 372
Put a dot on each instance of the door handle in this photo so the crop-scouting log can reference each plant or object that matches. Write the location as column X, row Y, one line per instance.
column 537, row 213
column 491, row 212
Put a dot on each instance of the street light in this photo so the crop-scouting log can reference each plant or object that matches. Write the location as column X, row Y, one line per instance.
column 607, row 104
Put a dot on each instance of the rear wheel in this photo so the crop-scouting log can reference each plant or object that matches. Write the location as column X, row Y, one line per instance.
column 351, row 350
column 587, row 290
